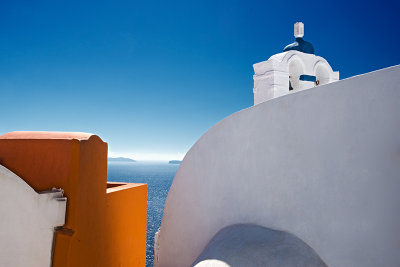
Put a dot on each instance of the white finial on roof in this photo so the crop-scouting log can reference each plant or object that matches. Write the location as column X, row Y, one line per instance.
column 298, row 29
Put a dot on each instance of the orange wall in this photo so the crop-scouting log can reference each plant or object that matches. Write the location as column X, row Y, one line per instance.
column 104, row 227
column 126, row 236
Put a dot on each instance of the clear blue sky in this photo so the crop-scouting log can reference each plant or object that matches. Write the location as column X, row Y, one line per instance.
column 150, row 77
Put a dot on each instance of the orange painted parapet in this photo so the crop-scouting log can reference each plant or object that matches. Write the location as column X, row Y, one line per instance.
column 105, row 223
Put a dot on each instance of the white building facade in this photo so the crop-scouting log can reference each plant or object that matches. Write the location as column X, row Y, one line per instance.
column 297, row 68
column 27, row 221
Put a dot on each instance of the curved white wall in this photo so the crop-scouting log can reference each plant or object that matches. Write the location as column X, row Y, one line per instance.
column 322, row 164
column 27, row 221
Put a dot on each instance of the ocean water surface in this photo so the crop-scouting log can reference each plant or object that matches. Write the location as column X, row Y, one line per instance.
column 158, row 176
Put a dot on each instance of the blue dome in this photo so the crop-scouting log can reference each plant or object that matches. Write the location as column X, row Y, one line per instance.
column 300, row 45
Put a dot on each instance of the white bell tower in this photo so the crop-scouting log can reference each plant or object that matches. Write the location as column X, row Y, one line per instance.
column 296, row 68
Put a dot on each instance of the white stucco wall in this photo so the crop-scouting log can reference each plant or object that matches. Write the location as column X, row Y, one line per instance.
column 27, row 221
column 322, row 164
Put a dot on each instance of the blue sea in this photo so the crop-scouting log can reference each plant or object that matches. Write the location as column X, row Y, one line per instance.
column 158, row 176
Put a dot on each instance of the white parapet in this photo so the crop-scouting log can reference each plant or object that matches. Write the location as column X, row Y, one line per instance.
column 27, row 221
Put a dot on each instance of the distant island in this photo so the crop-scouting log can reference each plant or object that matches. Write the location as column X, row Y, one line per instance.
column 120, row 159
column 175, row 162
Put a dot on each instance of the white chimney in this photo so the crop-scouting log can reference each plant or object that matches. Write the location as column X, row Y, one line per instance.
column 298, row 29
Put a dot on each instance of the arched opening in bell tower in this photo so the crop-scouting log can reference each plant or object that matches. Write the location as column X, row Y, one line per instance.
column 322, row 74
column 295, row 70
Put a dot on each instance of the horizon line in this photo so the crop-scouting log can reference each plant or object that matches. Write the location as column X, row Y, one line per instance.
column 147, row 156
